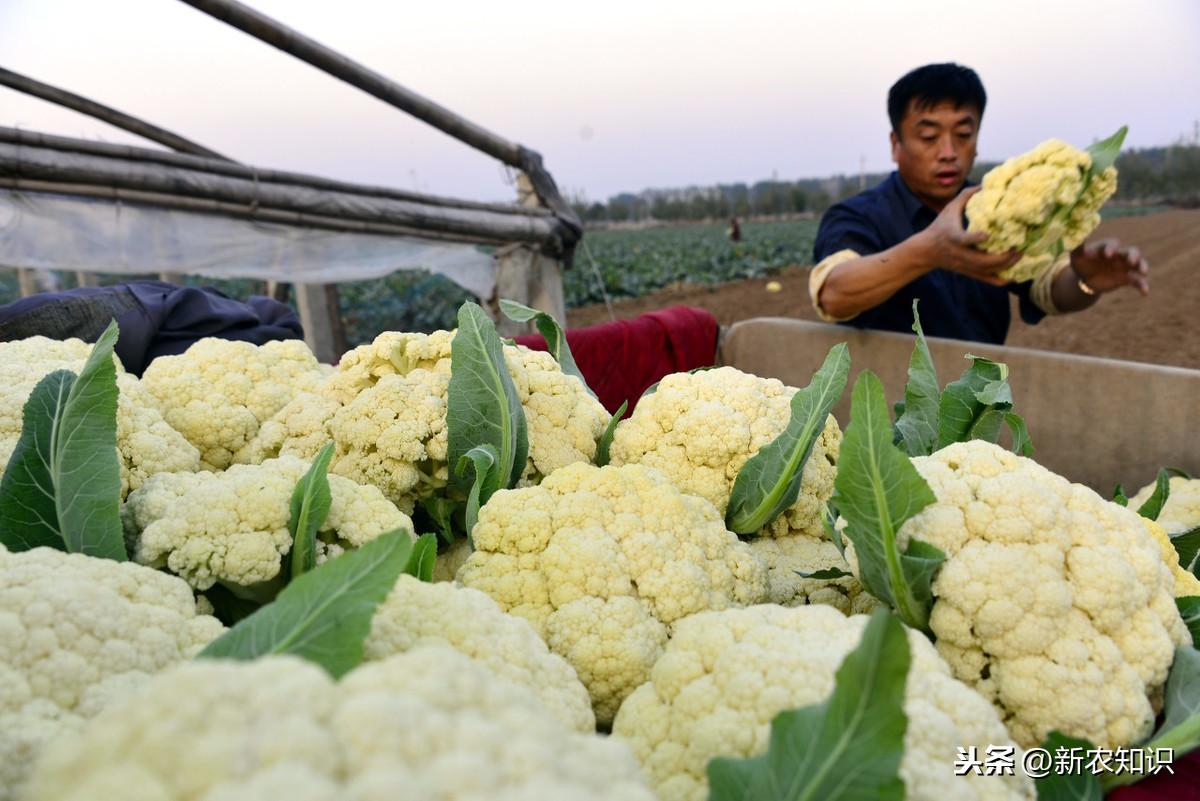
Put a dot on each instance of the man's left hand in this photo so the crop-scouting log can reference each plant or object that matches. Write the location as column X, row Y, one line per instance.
column 1105, row 265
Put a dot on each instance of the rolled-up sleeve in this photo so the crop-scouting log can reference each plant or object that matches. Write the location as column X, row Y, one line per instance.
column 816, row 280
column 1042, row 290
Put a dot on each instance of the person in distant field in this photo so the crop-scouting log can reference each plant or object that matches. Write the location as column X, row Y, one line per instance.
column 905, row 239
column 735, row 230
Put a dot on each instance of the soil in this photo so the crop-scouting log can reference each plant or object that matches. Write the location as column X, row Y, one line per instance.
column 1159, row 328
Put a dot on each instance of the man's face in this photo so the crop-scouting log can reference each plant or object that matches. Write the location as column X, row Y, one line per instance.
column 935, row 150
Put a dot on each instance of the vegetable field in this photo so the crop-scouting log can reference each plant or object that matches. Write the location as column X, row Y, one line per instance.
column 649, row 268
column 633, row 262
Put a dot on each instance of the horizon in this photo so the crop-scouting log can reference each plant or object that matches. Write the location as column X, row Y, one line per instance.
column 625, row 99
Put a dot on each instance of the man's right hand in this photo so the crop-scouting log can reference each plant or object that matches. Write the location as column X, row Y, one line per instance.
column 949, row 246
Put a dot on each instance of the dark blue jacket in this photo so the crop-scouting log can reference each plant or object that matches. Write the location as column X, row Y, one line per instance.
column 952, row 305
column 156, row 319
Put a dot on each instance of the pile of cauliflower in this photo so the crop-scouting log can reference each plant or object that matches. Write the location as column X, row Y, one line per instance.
column 602, row 561
column 429, row 724
column 232, row 527
column 1043, row 203
column 725, row 675
column 1047, row 585
column 701, row 428
column 385, row 408
column 78, row 633
column 219, row 392
column 610, row 598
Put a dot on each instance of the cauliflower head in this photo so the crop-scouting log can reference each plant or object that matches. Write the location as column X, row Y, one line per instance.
column 385, row 407
column 452, row 557
column 602, row 560
column 218, row 392
column 1040, row 203
column 787, row 557
column 1181, row 512
column 726, row 674
column 1046, row 585
column 430, row 724
column 146, row 443
column 232, row 527
column 701, row 428
column 469, row 621
column 1185, row 583
column 77, row 633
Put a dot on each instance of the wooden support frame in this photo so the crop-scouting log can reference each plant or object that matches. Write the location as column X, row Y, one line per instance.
column 67, row 144
column 52, row 169
column 316, row 315
column 536, row 237
column 527, row 275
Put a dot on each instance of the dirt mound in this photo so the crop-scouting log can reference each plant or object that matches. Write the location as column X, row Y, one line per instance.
column 1158, row 329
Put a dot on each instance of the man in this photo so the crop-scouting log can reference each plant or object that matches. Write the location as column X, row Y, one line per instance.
column 905, row 239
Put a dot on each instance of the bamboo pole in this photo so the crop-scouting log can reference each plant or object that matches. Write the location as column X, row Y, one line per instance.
column 68, row 144
column 32, row 163
column 118, row 119
column 204, row 206
column 275, row 33
column 290, row 41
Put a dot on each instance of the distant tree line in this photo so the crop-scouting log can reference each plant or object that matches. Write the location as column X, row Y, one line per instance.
column 1158, row 174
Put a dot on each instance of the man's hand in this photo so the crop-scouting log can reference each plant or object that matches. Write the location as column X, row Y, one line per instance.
column 949, row 246
column 1105, row 265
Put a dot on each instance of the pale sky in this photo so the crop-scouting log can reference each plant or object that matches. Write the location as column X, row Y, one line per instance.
column 618, row 95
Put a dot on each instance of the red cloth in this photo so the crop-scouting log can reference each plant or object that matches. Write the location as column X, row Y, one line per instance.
column 621, row 359
column 1182, row 785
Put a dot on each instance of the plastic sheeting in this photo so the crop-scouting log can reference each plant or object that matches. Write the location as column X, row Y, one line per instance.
column 63, row 232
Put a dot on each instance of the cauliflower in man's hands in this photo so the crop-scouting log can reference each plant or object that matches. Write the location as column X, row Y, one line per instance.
column 726, row 674
column 77, row 633
column 430, row 724
column 1046, row 585
column 1044, row 203
column 701, row 428
column 232, row 527
column 602, row 561
column 385, row 407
